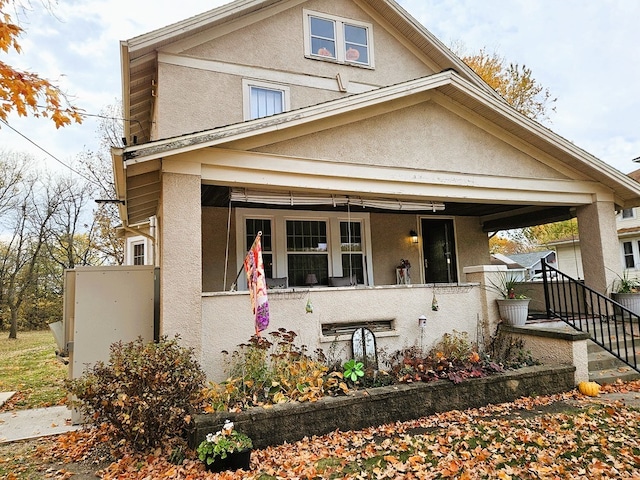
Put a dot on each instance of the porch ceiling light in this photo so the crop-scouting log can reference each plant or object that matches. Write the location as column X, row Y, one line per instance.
column 414, row 236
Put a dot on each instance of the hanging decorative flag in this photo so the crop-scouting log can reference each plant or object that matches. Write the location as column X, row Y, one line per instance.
column 257, row 285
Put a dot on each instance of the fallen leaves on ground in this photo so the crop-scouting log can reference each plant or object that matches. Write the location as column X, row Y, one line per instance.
column 558, row 436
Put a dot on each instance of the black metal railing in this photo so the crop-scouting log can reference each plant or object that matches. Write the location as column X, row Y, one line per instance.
column 609, row 324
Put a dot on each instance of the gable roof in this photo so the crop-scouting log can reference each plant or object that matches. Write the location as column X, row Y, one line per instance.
column 529, row 260
column 139, row 54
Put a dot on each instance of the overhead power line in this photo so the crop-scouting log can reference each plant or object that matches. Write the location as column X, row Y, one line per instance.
column 51, row 154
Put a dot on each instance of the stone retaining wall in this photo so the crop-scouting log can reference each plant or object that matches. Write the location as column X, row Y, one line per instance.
column 364, row 408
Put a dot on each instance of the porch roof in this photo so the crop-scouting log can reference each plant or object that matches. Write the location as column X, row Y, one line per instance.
column 137, row 167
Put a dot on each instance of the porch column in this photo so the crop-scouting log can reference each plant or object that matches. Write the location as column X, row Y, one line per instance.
column 599, row 245
column 181, row 257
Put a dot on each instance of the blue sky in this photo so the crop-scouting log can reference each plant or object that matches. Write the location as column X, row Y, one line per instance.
column 586, row 53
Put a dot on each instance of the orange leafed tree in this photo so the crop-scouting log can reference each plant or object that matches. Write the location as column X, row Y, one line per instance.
column 514, row 82
column 25, row 92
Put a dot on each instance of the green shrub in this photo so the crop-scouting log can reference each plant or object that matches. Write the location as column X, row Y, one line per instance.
column 146, row 392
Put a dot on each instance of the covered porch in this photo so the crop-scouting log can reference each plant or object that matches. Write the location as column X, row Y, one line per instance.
column 435, row 157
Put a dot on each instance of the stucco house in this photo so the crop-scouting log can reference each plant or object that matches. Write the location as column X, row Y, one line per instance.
column 353, row 139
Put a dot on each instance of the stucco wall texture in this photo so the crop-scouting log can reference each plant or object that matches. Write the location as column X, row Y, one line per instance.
column 209, row 99
column 227, row 318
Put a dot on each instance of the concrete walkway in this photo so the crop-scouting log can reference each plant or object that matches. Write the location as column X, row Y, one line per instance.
column 38, row 422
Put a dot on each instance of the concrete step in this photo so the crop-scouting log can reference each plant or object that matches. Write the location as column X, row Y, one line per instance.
column 605, row 368
column 624, row 374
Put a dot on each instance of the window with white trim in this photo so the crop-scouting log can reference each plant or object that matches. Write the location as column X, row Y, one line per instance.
column 295, row 244
column 262, row 99
column 137, row 251
column 341, row 40
column 628, row 213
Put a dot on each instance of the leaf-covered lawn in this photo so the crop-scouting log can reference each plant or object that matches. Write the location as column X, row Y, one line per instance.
column 561, row 436
column 28, row 366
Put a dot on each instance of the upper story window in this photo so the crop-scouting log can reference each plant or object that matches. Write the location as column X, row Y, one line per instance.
column 338, row 39
column 262, row 99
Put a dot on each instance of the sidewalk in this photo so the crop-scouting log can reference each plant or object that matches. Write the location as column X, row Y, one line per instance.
column 38, row 422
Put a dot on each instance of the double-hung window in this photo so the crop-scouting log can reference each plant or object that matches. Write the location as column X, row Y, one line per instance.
column 307, row 251
column 297, row 244
column 332, row 38
column 262, row 99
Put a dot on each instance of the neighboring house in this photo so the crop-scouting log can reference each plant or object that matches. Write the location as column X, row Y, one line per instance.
column 515, row 271
column 628, row 232
column 338, row 130
column 532, row 262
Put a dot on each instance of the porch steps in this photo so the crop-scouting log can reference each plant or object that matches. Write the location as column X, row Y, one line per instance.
column 605, row 368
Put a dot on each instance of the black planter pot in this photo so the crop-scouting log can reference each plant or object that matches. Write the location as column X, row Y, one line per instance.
column 232, row 461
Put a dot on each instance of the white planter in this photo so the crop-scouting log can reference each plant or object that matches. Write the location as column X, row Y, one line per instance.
column 631, row 301
column 514, row 311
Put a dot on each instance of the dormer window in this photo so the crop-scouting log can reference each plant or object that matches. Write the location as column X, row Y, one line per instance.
column 337, row 39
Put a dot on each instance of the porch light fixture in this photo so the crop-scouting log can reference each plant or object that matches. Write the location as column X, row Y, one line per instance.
column 311, row 279
column 414, row 236
column 422, row 321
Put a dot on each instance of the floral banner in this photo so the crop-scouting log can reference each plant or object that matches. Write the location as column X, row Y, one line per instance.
column 257, row 285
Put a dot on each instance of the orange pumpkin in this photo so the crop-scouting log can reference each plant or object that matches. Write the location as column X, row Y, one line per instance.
column 591, row 389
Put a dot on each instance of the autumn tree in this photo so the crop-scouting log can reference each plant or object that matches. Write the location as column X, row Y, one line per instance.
column 96, row 166
column 544, row 234
column 514, row 82
column 24, row 92
column 27, row 227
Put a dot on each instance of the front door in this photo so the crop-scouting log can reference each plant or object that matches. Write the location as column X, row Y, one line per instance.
column 439, row 251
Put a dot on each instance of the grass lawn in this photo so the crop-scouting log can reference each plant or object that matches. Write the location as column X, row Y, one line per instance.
column 28, row 365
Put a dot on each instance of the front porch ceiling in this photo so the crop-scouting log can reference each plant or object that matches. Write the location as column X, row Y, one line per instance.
column 493, row 216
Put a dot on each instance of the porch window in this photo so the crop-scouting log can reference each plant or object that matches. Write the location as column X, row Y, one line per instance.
column 297, row 243
column 307, row 251
column 628, row 213
column 253, row 226
column 628, row 255
column 351, row 248
column 341, row 40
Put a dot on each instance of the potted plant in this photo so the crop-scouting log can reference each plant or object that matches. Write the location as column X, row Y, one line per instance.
column 626, row 291
column 514, row 305
column 227, row 449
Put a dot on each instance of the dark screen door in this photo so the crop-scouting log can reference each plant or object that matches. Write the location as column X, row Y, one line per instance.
column 439, row 251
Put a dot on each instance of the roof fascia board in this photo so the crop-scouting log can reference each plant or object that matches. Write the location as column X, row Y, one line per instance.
column 151, row 39
column 399, row 36
column 126, row 86
column 463, row 68
column 507, row 137
column 230, row 27
column 534, row 127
